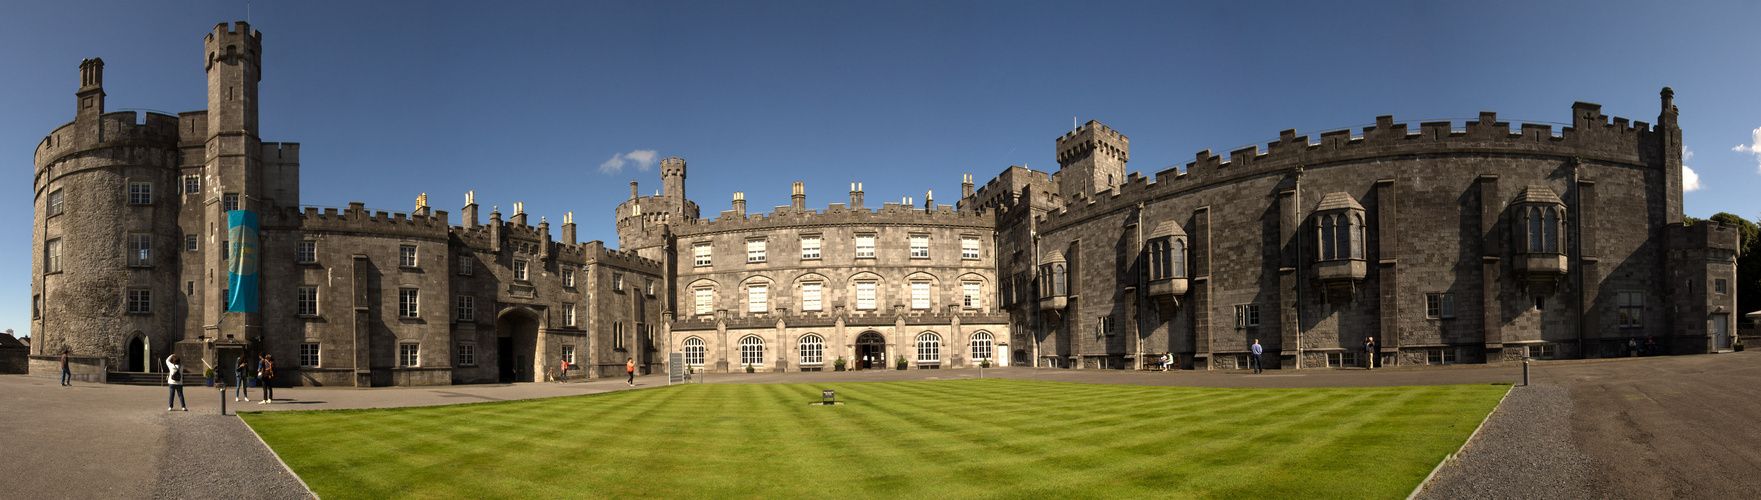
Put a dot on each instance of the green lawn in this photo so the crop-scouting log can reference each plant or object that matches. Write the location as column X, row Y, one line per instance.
column 989, row 438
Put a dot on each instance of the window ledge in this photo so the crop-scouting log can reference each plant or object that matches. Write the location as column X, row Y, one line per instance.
column 310, row 316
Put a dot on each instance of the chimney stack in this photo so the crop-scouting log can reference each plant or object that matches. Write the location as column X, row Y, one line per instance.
column 798, row 200
column 470, row 209
column 856, row 195
column 740, row 203
column 569, row 228
column 966, row 186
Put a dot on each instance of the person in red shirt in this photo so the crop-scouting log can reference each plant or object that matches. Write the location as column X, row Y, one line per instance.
column 630, row 367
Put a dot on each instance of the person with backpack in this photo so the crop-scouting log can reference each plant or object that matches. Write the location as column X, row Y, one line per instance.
column 175, row 381
column 266, row 374
column 238, row 376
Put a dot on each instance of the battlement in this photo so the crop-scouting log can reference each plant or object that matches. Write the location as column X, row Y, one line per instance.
column 1090, row 137
column 358, row 219
column 236, row 32
column 281, row 152
column 121, row 128
column 1705, row 234
column 672, row 166
column 839, row 214
column 1592, row 137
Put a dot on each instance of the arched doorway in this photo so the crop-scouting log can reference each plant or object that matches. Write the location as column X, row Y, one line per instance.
column 137, row 354
column 516, row 347
column 871, row 351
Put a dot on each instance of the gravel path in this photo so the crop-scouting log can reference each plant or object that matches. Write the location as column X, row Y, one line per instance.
column 208, row 455
column 1524, row 451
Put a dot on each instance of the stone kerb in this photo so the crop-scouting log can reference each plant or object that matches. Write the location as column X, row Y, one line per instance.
column 1595, row 137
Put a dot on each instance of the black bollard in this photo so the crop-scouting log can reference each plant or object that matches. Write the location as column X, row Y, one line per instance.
column 1525, row 372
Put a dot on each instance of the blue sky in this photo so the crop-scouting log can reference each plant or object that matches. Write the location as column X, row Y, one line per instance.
column 534, row 102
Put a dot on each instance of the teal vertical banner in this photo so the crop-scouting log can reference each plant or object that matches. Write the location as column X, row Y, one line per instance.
column 242, row 252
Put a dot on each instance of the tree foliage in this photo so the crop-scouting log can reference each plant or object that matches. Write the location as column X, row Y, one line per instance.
column 1748, row 262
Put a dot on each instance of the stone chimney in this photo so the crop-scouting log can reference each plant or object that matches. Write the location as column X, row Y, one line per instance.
column 519, row 218
column 470, row 210
column 740, row 203
column 966, row 186
column 569, row 228
column 798, row 200
column 856, row 195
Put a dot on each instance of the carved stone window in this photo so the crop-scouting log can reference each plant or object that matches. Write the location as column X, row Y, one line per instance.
column 1053, row 278
column 1166, row 249
column 1538, row 232
column 1339, row 240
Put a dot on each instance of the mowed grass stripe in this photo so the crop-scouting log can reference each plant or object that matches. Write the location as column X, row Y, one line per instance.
column 989, row 438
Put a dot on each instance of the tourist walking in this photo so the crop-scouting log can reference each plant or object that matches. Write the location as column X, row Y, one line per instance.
column 1257, row 350
column 563, row 375
column 239, row 376
column 630, row 367
column 175, row 381
column 266, row 374
column 66, row 375
column 1370, row 350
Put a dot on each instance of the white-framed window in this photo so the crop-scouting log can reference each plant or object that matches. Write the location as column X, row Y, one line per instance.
column 467, row 354
column 406, row 255
column 568, row 275
column 1631, row 309
column 982, row 344
column 751, row 351
column 1542, row 351
column 704, row 299
column 617, row 282
column 865, row 295
column 52, row 256
column 520, row 270
column 465, row 308
column 969, row 294
column 969, row 247
column 1106, row 325
column 1719, row 286
column 140, row 301
column 810, row 293
column 864, row 246
column 1342, row 359
column 409, row 354
column 309, row 355
column 754, row 251
column 568, row 314
column 140, row 193
column 617, row 336
column 1440, row 356
column 701, row 252
column 694, row 351
column 920, row 295
column 192, row 184
column 189, row 243
column 1247, row 315
column 56, row 202
column 1439, row 305
column 920, row 246
column 569, row 354
column 307, row 298
column 812, row 349
column 757, row 298
column 229, row 202
column 140, row 249
column 929, row 348
column 809, row 248
column 406, row 303
column 308, row 252
column 648, row 287
column 466, row 265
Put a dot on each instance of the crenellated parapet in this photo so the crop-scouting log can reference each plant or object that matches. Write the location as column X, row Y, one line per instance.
column 838, row 214
column 1592, row 137
column 358, row 219
column 112, row 130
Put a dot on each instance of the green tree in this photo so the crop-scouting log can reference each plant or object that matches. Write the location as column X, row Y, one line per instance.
column 1748, row 262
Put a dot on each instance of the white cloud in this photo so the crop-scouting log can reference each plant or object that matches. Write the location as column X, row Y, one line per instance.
column 1754, row 146
column 1690, row 180
column 643, row 159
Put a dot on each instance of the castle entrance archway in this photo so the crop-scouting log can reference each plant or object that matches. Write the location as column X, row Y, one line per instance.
column 516, row 347
column 871, row 351
column 137, row 355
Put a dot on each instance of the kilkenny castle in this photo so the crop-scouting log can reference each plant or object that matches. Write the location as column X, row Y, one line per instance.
column 1447, row 242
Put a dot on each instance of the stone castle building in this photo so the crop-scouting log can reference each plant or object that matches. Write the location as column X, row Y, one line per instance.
column 1450, row 243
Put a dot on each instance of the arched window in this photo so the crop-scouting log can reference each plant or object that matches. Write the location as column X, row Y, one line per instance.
column 1550, row 230
column 812, row 349
column 752, row 351
column 929, row 348
column 1178, row 257
column 694, row 351
column 1058, row 289
column 1534, row 216
column 1327, row 238
column 981, row 345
